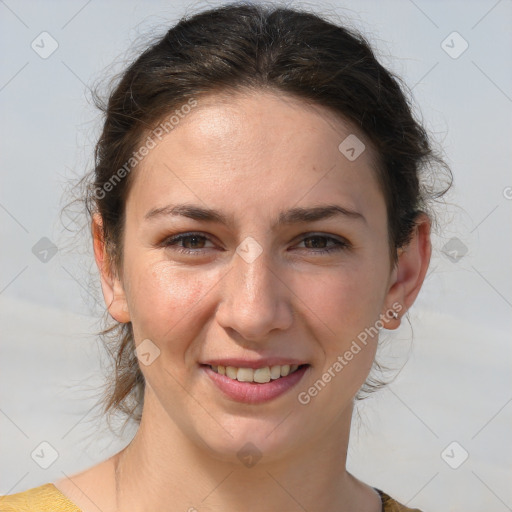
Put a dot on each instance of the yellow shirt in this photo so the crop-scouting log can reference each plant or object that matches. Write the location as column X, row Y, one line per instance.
column 47, row 498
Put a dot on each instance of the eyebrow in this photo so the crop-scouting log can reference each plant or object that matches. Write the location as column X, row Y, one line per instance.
column 292, row 216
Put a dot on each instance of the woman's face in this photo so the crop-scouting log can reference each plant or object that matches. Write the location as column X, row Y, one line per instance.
column 261, row 282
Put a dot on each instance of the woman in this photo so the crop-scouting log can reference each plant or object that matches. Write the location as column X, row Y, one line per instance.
column 258, row 216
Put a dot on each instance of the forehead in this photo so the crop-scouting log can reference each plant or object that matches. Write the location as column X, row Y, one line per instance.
column 254, row 148
column 266, row 116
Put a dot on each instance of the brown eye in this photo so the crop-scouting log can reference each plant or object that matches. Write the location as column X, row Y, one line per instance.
column 188, row 243
column 197, row 242
column 324, row 244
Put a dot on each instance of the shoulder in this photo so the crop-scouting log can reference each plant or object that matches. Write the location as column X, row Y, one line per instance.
column 47, row 498
column 391, row 505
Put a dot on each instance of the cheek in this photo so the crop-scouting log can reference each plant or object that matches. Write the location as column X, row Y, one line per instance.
column 346, row 299
column 347, row 308
column 346, row 305
column 162, row 297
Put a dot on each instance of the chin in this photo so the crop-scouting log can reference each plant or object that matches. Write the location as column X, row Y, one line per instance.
column 252, row 440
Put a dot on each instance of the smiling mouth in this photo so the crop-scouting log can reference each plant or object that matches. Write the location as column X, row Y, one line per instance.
column 258, row 375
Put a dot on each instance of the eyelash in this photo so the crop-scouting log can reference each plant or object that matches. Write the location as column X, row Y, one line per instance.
column 173, row 240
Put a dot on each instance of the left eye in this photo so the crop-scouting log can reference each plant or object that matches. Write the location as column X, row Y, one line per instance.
column 320, row 243
column 193, row 243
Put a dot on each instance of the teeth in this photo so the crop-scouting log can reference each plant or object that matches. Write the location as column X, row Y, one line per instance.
column 285, row 370
column 231, row 372
column 245, row 375
column 260, row 375
column 275, row 372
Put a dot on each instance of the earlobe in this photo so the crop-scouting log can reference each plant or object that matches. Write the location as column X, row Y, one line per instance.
column 409, row 273
column 111, row 286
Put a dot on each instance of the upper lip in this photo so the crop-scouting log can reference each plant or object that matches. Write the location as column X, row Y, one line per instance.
column 254, row 363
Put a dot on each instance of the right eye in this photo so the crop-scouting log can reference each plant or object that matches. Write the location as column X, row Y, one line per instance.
column 196, row 242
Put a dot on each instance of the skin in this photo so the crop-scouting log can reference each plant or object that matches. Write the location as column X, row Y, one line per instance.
column 251, row 156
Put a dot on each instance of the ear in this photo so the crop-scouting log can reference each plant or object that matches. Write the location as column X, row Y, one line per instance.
column 112, row 287
column 409, row 273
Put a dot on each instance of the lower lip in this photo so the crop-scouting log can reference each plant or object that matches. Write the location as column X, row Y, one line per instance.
column 252, row 392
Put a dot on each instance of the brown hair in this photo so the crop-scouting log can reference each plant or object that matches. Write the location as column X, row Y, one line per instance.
column 239, row 47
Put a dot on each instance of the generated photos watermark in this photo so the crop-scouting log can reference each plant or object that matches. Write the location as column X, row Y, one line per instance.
column 304, row 397
column 165, row 127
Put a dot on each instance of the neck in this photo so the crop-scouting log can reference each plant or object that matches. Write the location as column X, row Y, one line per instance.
column 163, row 469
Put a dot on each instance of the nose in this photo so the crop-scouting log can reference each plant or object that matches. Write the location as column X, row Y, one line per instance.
column 254, row 300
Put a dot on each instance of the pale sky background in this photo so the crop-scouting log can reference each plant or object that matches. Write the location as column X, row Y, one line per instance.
column 457, row 383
